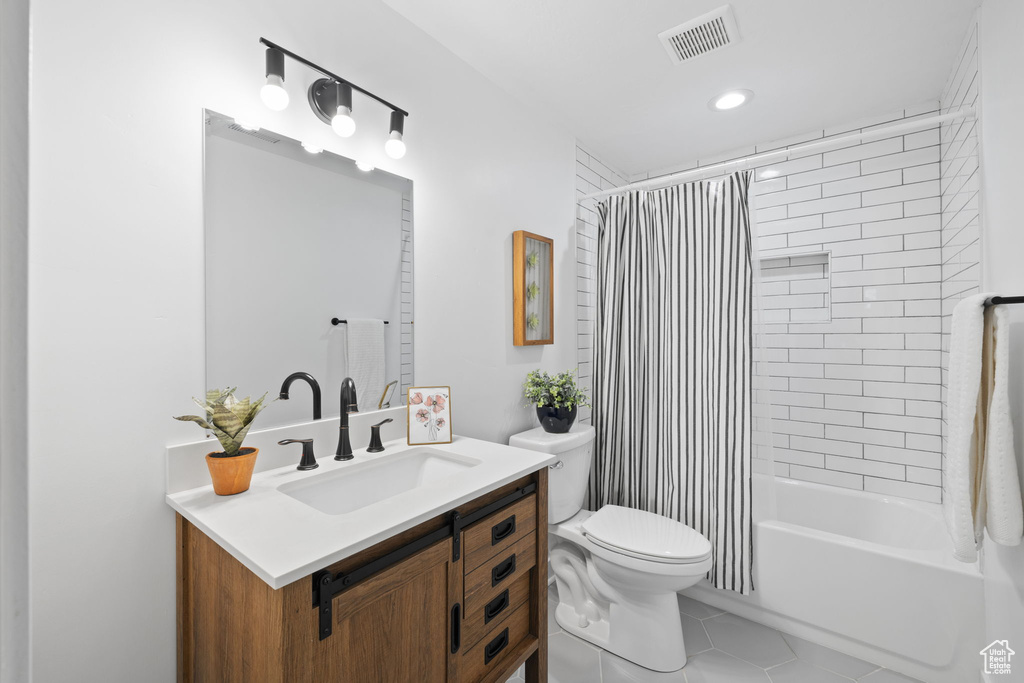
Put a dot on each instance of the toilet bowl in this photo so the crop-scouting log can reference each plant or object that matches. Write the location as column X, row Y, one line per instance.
column 617, row 570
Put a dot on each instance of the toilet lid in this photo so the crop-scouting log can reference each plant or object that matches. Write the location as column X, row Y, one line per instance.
column 645, row 535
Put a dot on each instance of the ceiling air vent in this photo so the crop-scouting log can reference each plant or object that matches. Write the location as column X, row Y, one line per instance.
column 258, row 134
column 706, row 33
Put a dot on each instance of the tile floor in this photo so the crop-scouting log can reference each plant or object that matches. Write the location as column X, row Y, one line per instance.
column 722, row 648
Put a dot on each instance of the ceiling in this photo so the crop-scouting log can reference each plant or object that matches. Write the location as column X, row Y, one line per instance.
column 598, row 67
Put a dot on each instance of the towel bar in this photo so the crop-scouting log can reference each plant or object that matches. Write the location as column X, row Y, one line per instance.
column 339, row 321
column 997, row 300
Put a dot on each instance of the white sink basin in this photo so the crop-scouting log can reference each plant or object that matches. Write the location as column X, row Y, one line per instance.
column 362, row 484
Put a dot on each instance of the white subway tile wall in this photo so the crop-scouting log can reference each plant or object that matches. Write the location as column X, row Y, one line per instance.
column 591, row 176
column 851, row 406
column 960, row 233
column 406, row 322
column 863, row 252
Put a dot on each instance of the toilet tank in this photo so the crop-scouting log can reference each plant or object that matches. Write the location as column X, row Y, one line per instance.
column 567, row 478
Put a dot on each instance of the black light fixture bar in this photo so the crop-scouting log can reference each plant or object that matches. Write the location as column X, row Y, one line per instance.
column 339, row 79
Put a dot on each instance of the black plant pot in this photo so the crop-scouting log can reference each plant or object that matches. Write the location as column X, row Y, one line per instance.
column 556, row 420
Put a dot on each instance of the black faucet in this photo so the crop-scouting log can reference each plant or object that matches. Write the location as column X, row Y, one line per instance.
column 348, row 405
column 314, row 385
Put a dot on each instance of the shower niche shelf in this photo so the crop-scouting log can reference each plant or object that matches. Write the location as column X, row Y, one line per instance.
column 796, row 288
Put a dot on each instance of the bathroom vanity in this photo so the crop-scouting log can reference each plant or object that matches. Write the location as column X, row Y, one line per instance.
column 443, row 581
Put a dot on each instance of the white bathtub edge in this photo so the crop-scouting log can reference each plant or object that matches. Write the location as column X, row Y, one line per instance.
column 726, row 600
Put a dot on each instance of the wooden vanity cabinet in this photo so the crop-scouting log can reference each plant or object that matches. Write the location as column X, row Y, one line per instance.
column 468, row 608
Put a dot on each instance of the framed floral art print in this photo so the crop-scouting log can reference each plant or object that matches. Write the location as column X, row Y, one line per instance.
column 430, row 415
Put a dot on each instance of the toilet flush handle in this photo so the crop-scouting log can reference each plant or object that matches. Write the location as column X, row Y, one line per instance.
column 557, row 466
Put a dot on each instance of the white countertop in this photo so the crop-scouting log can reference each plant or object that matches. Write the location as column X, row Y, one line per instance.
column 282, row 540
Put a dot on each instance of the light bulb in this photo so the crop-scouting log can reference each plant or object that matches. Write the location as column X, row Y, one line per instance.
column 312, row 149
column 394, row 147
column 343, row 123
column 247, row 125
column 364, row 166
column 273, row 93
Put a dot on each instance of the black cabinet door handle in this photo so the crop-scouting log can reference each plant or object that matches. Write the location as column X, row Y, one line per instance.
column 495, row 646
column 503, row 529
column 456, row 627
column 496, row 606
column 503, row 570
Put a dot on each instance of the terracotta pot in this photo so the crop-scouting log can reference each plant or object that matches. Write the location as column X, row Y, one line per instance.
column 232, row 474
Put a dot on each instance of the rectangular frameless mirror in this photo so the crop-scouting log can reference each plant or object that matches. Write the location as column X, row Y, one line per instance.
column 293, row 240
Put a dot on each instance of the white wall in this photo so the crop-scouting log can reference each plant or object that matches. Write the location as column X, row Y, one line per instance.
column 116, row 270
column 14, row 577
column 1002, row 151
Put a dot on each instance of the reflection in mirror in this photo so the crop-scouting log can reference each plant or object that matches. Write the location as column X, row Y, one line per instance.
column 294, row 240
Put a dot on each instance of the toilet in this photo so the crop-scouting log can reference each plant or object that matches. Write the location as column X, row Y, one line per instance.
column 617, row 570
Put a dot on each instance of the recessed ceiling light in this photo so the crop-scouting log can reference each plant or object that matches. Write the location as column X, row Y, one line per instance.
column 312, row 149
column 363, row 166
column 731, row 99
column 768, row 173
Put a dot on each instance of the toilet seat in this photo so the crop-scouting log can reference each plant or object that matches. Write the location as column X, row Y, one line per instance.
column 645, row 536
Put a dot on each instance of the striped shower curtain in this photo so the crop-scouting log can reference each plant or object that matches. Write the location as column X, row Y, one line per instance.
column 672, row 357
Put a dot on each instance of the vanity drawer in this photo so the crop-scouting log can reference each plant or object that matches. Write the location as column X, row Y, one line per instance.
column 496, row 533
column 498, row 648
column 487, row 581
column 482, row 619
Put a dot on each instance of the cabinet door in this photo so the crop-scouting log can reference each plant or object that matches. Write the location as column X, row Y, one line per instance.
column 392, row 627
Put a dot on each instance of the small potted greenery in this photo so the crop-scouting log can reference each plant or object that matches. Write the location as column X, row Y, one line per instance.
column 229, row 419
column 557, row 399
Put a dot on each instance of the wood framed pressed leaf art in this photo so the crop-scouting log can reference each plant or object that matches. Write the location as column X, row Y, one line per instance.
column 533, row 289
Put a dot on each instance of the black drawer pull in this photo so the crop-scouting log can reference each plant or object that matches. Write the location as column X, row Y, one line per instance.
column 502, row 530
column 495, row 647
column 503, row 570
column 496, row 606
column 456, row 627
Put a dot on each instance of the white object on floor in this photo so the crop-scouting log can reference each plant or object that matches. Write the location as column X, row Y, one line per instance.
column 617, row 570
column 979, row 472
column 365, row 342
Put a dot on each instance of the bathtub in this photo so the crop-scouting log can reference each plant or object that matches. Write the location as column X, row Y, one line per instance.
column 866, row 574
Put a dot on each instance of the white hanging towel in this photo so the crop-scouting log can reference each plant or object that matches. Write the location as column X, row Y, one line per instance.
column 980, row 485
column 366, row 360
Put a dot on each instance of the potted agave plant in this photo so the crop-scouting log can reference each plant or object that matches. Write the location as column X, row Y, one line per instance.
column 557, row 399
column 229, row 419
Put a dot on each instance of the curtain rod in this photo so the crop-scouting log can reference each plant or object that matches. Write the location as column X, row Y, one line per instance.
column 744, row 163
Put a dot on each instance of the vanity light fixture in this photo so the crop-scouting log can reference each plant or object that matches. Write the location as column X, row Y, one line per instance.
column 273, row 93
column 767, row 174
column 312, row 149
column 364, row 166
column 731, row 100
column 329, row 97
